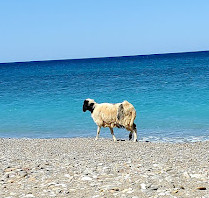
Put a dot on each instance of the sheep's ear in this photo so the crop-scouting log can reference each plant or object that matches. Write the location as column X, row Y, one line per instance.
column 91, row 105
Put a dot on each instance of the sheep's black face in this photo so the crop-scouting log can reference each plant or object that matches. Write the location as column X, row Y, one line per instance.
column 87, row 105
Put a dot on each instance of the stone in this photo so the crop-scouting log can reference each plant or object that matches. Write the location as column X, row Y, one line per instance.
column 197, row 176
column 143, row 186
column 114, row 189
column 67, row 175
column 185, row 174
column 9, row 169
column 106, row 170
column 201, row 188
column 22, row 173
column 85, row 178
column 153, row 187
column 11, row 181
column 51, row 184
column 29, row 195
column 62, row 185
column 175, row 191
column 32, row 179
column 162, row 194
column 6, row 176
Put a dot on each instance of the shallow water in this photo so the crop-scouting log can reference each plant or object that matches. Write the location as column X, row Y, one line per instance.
column 170, row 93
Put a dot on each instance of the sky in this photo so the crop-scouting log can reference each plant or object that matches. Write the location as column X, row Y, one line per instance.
column 65, row 29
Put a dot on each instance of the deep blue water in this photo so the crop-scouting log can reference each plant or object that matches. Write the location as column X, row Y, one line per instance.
column 170, row 93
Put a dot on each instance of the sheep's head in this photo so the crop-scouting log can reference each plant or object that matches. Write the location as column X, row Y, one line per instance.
column 89, row 105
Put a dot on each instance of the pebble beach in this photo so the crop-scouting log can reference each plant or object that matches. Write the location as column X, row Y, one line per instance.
column 83, row 167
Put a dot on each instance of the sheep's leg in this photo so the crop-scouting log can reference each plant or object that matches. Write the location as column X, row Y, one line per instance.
column 130, row 135
column 98, row 131
column 135, row 136
column 135, row 133
column 113, row 136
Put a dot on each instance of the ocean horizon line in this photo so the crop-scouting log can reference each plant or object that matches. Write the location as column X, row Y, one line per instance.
column 108, row 57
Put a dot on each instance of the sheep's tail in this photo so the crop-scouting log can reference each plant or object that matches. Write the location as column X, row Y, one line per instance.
column 133, row 116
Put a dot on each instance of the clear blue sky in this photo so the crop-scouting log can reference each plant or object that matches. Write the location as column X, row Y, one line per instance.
column 65, row 29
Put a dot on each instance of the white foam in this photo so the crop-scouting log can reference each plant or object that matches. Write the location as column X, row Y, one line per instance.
column 175, row 139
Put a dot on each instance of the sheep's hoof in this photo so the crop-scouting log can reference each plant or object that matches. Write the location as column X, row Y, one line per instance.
column 136, row 140
column 122, row 140
column 96, row 138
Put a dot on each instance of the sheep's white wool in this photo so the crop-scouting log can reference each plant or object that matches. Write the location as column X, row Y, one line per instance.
column 112, row 115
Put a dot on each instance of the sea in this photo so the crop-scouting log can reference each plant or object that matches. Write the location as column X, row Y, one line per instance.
column 170, row 92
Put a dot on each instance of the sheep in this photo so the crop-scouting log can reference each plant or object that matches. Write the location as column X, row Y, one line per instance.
column 119, row 115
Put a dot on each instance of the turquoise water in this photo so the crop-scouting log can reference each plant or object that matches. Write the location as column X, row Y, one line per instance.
column 170, row 93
